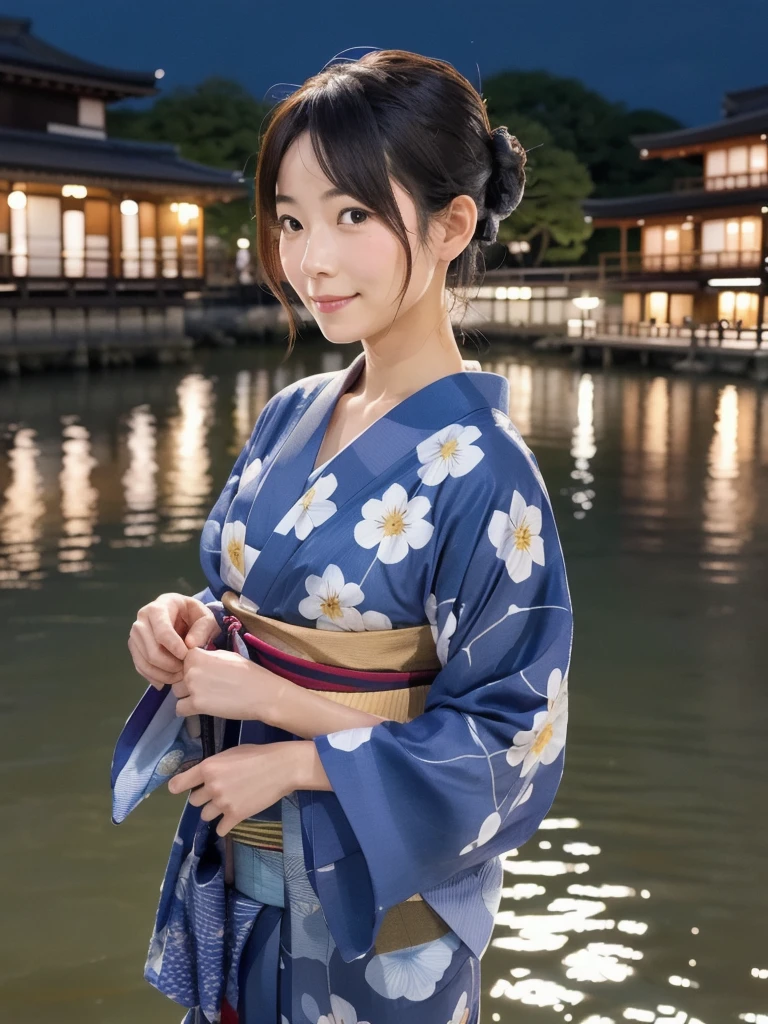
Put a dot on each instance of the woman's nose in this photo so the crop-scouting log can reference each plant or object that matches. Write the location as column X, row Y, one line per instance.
column 318, row 258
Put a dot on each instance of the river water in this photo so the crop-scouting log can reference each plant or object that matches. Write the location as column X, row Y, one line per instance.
column 644, row 896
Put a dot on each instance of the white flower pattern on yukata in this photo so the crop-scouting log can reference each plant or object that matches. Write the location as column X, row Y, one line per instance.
column 394, row 523
column 312, row 508
column 461, row 1013
column 350, row 739
column 492, row 823
column 441, row 638
column 237, row 557
column 411, row 973
column 331, row 603
column 450, row 450
column 546, row 737
column 250, row 473
column 342, row 1012
column 516, row 537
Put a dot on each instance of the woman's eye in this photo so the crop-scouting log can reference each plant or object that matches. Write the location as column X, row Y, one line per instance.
column 353, row 211
column 284, row 219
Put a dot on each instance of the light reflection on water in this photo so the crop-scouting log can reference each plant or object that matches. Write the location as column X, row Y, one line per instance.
column 643, row 896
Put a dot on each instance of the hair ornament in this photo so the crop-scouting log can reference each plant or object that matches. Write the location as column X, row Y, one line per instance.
column 504, row 188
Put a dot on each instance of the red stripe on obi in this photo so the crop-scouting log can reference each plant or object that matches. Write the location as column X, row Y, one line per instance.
column 277, row 661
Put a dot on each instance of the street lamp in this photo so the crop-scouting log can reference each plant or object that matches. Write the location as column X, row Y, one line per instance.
column 585, row 302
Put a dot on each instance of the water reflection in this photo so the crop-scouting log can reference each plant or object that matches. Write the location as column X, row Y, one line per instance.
column 139, row 481
column 728, row 506
column 583, row 448
column 186, row 485
column 79, row 498
column 583, row 931
column 168, row 482
column 21, row 512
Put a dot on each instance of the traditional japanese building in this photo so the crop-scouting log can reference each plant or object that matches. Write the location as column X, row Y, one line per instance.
column 82, row 211
column 703, row 246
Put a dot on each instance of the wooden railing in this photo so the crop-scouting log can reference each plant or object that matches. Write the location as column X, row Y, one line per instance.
column 721, row 182
column 617, row 264
column 725, row 334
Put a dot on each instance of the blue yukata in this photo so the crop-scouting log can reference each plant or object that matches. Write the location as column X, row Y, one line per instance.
column 435, row 516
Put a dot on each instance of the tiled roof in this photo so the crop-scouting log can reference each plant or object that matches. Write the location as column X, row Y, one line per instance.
column 49, row 155
column 20, row 51
column 673, row 202
column 754, row 122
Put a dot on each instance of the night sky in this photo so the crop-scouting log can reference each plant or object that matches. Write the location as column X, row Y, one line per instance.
column 677, row 56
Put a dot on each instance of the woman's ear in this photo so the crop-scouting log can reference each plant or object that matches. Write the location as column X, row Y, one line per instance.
column 457, row 226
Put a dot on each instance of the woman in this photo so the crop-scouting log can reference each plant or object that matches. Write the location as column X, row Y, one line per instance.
column 385, row 570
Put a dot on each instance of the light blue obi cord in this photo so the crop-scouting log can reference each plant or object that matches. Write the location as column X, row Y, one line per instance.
column 259, row 874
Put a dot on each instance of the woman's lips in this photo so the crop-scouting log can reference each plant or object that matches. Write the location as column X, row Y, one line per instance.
column 331, row 307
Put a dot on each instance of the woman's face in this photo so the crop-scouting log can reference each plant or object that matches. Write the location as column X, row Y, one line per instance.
column 333, row 245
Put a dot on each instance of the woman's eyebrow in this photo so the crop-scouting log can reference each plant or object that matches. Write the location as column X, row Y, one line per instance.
column 331, row 193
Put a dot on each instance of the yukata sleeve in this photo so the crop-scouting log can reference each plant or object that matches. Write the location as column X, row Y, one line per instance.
column 471, row 778
column 155, row 743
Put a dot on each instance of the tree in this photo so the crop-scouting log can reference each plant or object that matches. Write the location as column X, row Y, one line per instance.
column 217, row 123
column 550, row 216
column 596, row 130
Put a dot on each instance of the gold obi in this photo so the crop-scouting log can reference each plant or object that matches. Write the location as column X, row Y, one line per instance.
column 410, row 649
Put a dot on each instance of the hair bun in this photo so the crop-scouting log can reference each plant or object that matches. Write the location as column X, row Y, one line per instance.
column 504, row 188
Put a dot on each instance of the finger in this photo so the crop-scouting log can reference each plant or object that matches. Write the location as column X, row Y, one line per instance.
column 180, row 689
column 210, row 811
column 227, row 822
column 153, row 675
column 165, row 635
column 200, row 796
column 186, row 780
column 154, row 654
column 185, row 707
column 202, row 631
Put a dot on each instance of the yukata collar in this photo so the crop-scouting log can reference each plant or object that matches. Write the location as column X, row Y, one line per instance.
column 368, row 457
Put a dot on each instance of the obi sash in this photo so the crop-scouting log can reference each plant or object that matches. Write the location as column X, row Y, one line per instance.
column 203, row 924
column 334, row 664
column 337, row 664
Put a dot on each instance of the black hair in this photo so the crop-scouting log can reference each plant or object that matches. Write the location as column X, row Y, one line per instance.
column 399, row 114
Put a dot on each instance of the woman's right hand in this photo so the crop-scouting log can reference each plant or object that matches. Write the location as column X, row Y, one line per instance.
column 164, row 630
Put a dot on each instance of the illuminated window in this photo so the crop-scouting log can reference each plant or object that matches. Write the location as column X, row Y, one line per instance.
column 738, row 166
column 735, row 306
column 738, row 159
column 129, row 233
column 680, row 306
column 73, row 224
column 731, row 243
column 148, row 239
column 716, row 163
column 758, row 157
column 632, row 308
column 96, row 238
column 44, row 236
column 656, row 305
column 665, row 247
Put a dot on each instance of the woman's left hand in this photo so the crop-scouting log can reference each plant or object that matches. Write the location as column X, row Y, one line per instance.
column 224, row 684
column 242, row 780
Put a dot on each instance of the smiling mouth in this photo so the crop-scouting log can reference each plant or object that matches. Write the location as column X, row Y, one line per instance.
column 331, row 305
